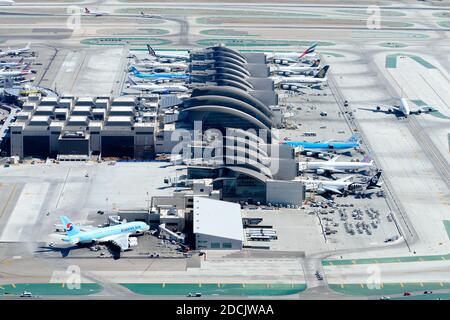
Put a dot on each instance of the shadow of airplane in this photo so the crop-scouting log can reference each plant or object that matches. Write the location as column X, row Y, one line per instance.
column 63, row 250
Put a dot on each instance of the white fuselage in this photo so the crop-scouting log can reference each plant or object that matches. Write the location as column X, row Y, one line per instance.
column 155, row 88
column 335, row 166
column 319, row 184
column 300, row 80
column 295, row 69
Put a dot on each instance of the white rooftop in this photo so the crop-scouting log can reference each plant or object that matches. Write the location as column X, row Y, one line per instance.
column 218, row 218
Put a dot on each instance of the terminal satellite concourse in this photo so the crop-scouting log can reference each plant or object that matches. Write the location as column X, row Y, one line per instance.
column 243, row 151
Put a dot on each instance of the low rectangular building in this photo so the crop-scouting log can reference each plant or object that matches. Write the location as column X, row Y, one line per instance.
column 217, row 225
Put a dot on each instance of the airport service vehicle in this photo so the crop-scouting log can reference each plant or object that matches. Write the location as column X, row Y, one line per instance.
column 157, row 66
column 15, row 52
column 298, row 68
column 341, row 186
column 315, row 147
column 88, row 12
column 6, row 2
column 157, row 88
column 169, row 57
column 292, row 57
column 333, row 166
column 173, row 76
column 118, row 235
column 404, row 109
column 12, row 64
column 298, row 82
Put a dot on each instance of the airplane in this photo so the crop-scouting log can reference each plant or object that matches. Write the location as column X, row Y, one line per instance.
column 292, row 57
column 169, row 57
column 298, row 82
column 12, row 64
column 118, row 235
column 314, row 147
column 153, row 16
column 7, row 2
column 404, row 109
column 333, row 166
column 88, row 12
column 341, row 186
column 173, row 76
column 157, row 66
column 15, row 52
column 297, row 68
column 15, row 73
column 157, row 88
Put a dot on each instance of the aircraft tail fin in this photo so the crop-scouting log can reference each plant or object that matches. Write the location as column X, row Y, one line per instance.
column 315, row 64
column 373, row 182
column 134, row 70
column 28, row 46
column 70, row 228
column 311, row 49
column 367, row 159
column 132, row 81
column 86, row 10
column 323, row 72
column 151, row 51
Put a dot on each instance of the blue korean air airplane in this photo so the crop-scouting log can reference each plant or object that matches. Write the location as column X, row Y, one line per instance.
column 351, row 143
column 138, row 74
column 118, row 234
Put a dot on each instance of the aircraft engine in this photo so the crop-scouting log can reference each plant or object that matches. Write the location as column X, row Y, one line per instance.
column 284, row 86
column 419, row 112
column 378, row 108
column 293, row 87
column 320, row 171
column 390, row 110
column 309, row 153
column 320, row 155
column 321, row 190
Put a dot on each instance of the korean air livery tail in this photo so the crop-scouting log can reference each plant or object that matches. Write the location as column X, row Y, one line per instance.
column 309, row 50
column 323, row 72
column 71, row 229
column 135, row 71
column 151, row 51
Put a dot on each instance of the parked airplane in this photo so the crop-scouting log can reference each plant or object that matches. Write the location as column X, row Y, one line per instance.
column 404, row 109
column 169, row 57
column 157, row 88
column 174, row 76
column 292, row 57
column 298, row 68
column 6, row 2
column 118, row 235
column 15, row 73
column 15, row 52
column 157, row 66
column 351, row 143
column 153, row 16
column 341, row 186
column 88, row 12
column 333, row 166
column 11, row 64
column 298, row 82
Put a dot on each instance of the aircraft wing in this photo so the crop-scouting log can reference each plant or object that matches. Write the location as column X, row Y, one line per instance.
column 334, row 170
column 332, row 189
column 119, row 240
